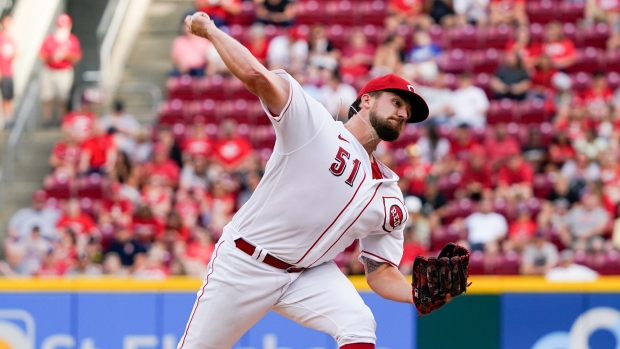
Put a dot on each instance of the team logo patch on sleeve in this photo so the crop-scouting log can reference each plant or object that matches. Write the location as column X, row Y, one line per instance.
column 395, row 215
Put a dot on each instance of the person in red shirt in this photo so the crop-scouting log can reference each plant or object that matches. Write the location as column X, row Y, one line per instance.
column 8, row 51
column 500, row 145
column 98, row 153
column 162, row 166
column 220, row 11
column 198, row 252
column 598, row 97
column 197, row 143
column 415, row 170
column 145, row 225
column 65, row 156
column 115, row 208
column 526, row 49
column 258, row 43
column 357, row 56
column 522, row 230
column 232, row 149
column 515, row 179
column 463, row 143
column 507, row 12
column 559, row 49
column 60, row 52
column 80, row 223
column 80, row 122
column 410, row 12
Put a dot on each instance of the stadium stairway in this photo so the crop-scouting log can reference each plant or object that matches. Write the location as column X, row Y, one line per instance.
column 149, row 61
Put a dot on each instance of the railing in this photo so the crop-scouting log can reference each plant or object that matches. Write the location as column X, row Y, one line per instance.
column 131, row 87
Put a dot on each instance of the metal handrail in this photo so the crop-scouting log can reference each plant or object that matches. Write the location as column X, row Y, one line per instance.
column 131, row 87
column 110, row 38
column 24, row 120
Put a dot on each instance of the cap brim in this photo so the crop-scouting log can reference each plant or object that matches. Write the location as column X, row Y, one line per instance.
column 419, row 108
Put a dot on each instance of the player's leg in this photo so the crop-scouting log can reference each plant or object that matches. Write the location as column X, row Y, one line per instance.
column 324, row 299
column 236, row 293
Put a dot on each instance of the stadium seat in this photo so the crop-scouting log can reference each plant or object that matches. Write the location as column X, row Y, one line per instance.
column 436, row 32
column 570, row 12
column 502, row 111
column 211, row 88
column 485, row 61
column 464, row 38
column 409, row 136
column 476, row 263
column 543, row 185
column 497, row 36
column 570, row 32
column 449, row 184
column 595, row 36
column 239, row 32
column 581, row 81
column 611, row 264
column 508, row 264
column 542, row 12
column 613, row 80
column 92, row 186
column 234, row 88
column 58, row 187
column 89, row 207
column 454, row 61
column 181, row 88
column 309, row 12
column 612, row 61
column 537, row 32
column 588, row 60
column 458, row 209
column 532, row 112
column 246, row 16
column 206, row 109
column 171, row 111
column 337, row 34
column 441, row 236
column 373, row 12
column 374, row 33
column 341, row 12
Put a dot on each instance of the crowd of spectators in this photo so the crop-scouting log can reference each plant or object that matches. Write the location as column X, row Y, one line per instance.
column 519, row 160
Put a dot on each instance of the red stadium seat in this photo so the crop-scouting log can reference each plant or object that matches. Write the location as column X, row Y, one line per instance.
column 436, row 32
column 588, row 60
column 543, row 12
column 613, row 80
column 93, row 187
column 483, row 80
column 374, row 33
column 341, row 12
column 497, row 37
column 449, row 184
column 464, row 38
column 570, row 12
column 537, row 32
column 570, row 31
column 373, row 12
column 337, row 34
column 612, row 61
column 454, row 61
column 58, row 187
column 543, row 185
column 234, row 88
column 89, row 207
column 441, row 236
column 595, row 36
column 502, row 111
column 309, row 12
column 458, row 209
column 171, row 111
column 508, row 264
column 246, row 16
column 581, row 81
column 206, row 109
column 211, row 88
column 486, row 61
column 476, row 263
column 532, row 112
column 181, row 88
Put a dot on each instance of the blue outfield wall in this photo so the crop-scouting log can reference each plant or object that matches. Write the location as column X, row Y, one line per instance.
column 146, row 320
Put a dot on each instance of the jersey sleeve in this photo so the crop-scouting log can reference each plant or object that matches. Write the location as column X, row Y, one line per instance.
column 300, row 120
column 385, row 248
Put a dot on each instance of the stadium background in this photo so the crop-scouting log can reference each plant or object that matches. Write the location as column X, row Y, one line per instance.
column 76, row 310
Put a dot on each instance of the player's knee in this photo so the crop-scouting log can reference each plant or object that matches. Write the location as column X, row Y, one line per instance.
column 360, row 329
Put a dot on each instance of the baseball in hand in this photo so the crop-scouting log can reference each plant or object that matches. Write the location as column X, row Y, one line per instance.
column 197, row 23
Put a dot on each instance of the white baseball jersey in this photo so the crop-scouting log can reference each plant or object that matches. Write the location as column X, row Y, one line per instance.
column 318, row 195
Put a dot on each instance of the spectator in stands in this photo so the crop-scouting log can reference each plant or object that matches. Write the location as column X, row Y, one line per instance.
column 198, row 253
column 434, row 148
column 157, row 194
column 162, row 166
column 598, row 97
column 474, row 12
column 534, row 149
column 562, row 193
column 580, row 171
column 250, row 183
column 389, row 56
column 322, row 53
column 115, row 209
column 258, row 43
column 500, row 145
column 8, row 52
column 469, row 103
column 187, row 207
column 416, row 235
column 476, row 178
column 220, row 11
column 434, row 202
column 442, row 12
column 189, row 54
column 231, row 149
column 462, row 142
column 195, row 173
column 276, row 12
column 81, row 121
column 80, row 224
column 591, row 145
column 38, row 215
column 560, row 50
column 288, row 51
column 585, row 221
column 414, row 170
column 24, row 254
column 613, row 42
column 99, row 153
column 560, row 149
column 220, row 206
column 409, row 12
column 125, row 247
column 485, row 226
column 508, row 12
column 126, row 126
column 197, row 143
column 511, row 79
column 421, row 57
column 357, row 56
column 539, row 256
column 60, row 52
column 523, row 46
column 112, row 265
column 437, row 95
column 515, row 179
column 65, row 156
column 337, row 95
column 521, row 230
column 569, row 271
column 144, row 223
column 602, row 11
column 84, row 267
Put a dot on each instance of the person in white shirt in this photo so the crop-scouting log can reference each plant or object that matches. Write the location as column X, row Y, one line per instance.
column 322, row 189
column 38, row 215
column 568, row 271
column 469, row 103
column 125, row 124
column 288, row 51
column 485, row 226
column 337, row 96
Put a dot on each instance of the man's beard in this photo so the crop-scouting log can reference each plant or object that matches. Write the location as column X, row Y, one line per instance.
column 385, row 130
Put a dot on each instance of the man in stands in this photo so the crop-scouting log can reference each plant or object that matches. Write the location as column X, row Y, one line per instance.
column 8, row 51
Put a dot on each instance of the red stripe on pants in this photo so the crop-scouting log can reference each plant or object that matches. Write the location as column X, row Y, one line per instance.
column 358, row 346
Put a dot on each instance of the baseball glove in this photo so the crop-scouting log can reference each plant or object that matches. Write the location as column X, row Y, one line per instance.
column 436, row 278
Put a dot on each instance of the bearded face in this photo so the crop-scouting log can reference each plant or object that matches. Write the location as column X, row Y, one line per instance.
column 386, row 129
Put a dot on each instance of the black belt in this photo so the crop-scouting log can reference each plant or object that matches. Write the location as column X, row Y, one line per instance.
column 269, row 259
